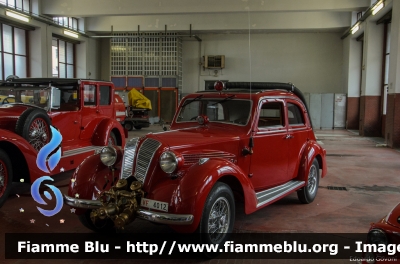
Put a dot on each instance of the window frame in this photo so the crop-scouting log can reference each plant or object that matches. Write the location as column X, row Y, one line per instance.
column 73, row 64
column 301, row 112
column 283, row 116
column 13, row 52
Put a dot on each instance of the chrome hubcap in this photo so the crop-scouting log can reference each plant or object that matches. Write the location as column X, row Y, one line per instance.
column 38, row 134
column 312, row 180
column 1, row 176
column 219, row 219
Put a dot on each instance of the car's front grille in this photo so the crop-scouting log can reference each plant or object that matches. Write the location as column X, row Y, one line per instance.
column 144, row 157
column 129, row 156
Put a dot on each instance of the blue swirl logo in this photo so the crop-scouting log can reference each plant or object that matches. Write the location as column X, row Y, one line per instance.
column 47, row 149
column 36, row 196
column 47, row 163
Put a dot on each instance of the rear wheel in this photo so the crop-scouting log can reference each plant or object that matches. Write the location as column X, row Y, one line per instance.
column 6, row 176
column 34, row 126
column 308, row 193
column 128, row 126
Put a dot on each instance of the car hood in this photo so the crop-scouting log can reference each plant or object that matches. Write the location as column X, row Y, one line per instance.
column 202, row 135
column 393, row 218
column 12, row 110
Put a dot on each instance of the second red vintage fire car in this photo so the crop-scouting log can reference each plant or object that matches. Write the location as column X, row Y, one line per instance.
column 85, row 112
column 252, row 141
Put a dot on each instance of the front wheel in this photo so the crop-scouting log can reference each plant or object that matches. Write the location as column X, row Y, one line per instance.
column 102, row 226
column 112, row 139
column 218, row 215
column 308, row 193
column 6, row 175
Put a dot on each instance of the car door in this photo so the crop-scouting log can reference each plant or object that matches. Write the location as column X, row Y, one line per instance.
column 269, row 159
column 89, row 94
column 105, row 101
column 298, row 135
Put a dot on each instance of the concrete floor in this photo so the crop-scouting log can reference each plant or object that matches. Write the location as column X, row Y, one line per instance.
column 369, row 173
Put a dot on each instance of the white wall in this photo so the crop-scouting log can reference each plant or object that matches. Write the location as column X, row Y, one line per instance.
column 312, row 61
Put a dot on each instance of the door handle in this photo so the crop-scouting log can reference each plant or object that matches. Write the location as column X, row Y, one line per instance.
column 75, row 122
column 289, row 136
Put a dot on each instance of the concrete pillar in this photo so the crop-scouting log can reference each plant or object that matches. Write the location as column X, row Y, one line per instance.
column 370, row 100
column 352, row 50
column 392, row 129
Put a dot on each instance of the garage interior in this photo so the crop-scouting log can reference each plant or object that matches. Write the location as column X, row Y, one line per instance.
column 344, row 55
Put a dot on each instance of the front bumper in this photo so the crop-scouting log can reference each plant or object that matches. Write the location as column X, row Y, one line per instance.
column 156, row 217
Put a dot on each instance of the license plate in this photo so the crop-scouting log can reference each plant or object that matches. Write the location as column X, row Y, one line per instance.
column 153, row 204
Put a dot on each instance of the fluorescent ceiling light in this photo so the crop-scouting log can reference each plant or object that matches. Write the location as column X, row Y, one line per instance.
column 17, row 16
column 377, row 8
column 71, row 34
column 355, row 29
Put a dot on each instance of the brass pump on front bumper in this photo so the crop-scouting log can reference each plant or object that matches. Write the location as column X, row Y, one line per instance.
column 119, row 203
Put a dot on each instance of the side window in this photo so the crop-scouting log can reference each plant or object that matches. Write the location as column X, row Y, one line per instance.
column 89, row 94
column 295, row 115
column 271, row 115
column 105, row 98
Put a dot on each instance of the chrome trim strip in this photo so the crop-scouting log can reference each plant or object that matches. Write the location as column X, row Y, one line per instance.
column 267, row 196
column 156, row 217
column 82, row 203
column 80, row 150
column 164, row 218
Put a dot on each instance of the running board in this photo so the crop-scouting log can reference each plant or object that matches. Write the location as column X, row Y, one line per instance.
column 269, row 195
column 80, row 151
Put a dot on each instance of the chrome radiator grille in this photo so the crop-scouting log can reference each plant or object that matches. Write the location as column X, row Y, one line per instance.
column 144, row 157
column 129, row 156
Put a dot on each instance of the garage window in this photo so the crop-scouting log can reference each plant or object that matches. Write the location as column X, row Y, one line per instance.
column 21, row 5
column 63, row 53
column 68, row 22
column 13, row 59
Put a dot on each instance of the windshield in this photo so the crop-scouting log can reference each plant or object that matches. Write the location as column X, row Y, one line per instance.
column 64, row 99
column 27, row 95
column 223, row 111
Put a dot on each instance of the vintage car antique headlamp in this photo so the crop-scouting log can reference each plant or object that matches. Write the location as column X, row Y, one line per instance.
column 168, row 162
column 377, row 236
column 108, row 156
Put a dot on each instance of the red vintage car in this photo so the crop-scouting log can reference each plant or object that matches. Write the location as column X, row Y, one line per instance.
column 385, row 235
column 249, row 141
column 85, row 112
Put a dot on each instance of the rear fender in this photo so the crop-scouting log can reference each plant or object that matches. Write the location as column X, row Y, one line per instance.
column 92, row 177
column 312, row 151
column 103, row 130
column 194, row 188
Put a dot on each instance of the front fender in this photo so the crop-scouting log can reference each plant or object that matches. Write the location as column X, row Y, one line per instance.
column 26, row 149
column 103, row 130
column 312, row 151
column 92, row 177
column 188, row 195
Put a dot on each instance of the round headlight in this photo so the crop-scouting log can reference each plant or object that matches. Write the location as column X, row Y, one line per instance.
column 168, row 162
column 377, row 236
column 108, row 156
